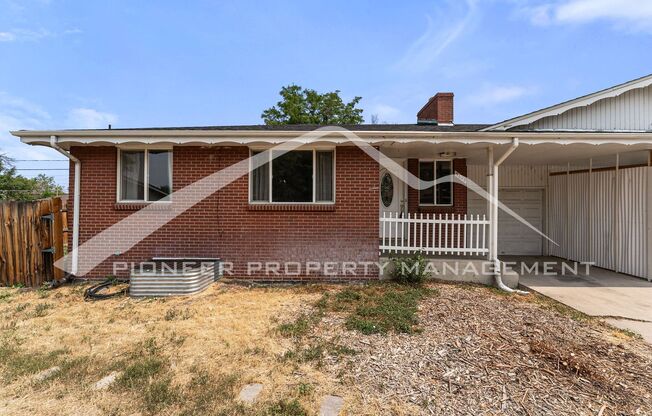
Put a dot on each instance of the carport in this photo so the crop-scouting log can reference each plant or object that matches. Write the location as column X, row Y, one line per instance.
column 590, row 199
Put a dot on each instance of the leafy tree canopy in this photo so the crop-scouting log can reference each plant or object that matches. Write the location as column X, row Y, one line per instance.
column 19, row 188
column 305, row 106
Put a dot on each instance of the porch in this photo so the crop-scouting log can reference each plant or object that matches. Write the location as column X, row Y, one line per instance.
column 579, row 201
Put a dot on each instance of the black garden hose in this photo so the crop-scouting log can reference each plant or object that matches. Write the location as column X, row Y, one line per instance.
column 93, row 292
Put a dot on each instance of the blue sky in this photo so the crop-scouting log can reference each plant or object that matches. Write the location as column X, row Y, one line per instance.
column 85, row 64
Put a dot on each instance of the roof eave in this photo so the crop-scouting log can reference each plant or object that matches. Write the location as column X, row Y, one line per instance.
column 574, row 103
column 224, row 137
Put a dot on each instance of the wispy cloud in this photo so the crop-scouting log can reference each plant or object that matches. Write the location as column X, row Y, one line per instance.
column 18, row 113
column 500, row 94
column 384, row 113
column 29, row 35
column 88, row 118
column 7, row 37
column 626, row 15
column 424, row 52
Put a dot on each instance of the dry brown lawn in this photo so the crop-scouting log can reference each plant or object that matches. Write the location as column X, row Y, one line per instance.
column 472, row 351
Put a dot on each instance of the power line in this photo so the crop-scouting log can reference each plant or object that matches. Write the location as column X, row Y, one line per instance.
column 20, row 190
column 45, row 169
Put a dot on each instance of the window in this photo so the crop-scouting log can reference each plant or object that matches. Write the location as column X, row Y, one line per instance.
column 144, row 175
column 386, row 189
column 442, row 193
column 299, row 176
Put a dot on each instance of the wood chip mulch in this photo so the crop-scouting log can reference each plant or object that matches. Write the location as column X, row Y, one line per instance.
column 483, row 353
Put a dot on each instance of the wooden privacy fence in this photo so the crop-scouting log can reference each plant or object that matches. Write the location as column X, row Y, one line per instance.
column 31, row 240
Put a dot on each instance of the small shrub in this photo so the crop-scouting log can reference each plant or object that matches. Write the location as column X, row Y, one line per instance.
column 410, row 269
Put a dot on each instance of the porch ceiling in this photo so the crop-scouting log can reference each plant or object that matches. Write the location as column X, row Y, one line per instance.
column 526, row 154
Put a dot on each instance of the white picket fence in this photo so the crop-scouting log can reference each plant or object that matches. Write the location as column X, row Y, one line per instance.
column 434, row 234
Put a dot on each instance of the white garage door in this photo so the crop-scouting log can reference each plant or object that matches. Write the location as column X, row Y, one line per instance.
column 513, row 236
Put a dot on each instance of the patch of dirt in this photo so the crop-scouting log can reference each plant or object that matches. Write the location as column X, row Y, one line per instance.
column 486, row 353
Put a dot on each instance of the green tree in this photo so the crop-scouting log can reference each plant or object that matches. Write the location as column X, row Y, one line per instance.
column 19, row 188
column 305, row 106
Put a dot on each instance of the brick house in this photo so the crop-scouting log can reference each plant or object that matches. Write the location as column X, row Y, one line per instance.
column 568, row 170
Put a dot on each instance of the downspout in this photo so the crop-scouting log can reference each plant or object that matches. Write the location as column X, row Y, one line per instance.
column 490, row 185
column 75, row 213
column 494, row 221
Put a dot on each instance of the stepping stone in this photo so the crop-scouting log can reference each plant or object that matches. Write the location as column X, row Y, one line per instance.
column 106, row 381
column 331, row 406
column 45, row 374
column 250, row 392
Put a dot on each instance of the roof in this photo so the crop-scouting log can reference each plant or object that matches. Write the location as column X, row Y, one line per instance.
column 574, row 103
column 501, row 133
column 297, row 127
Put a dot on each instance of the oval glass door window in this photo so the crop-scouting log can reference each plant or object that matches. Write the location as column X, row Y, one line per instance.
column 386, row 189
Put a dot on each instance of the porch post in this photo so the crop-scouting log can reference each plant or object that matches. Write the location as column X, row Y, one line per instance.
column 494, row 215
column 490, row 166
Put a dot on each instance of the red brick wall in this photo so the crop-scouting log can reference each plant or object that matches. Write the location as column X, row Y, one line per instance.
column 225, row 225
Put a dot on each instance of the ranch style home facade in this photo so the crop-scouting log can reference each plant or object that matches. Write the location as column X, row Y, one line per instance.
column 578, row 171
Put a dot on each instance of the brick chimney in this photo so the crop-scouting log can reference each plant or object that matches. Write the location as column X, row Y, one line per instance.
column 438, row 110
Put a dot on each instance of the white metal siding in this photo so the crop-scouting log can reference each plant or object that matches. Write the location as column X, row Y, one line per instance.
column 632, row 186
column 631, row 110
column 604, row 223
column 602, row 211
column 511, row 176
column 514, row 237
column 557, row 208
column 578, row 218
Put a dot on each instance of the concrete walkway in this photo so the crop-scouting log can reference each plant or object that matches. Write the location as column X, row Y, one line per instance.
column 624, row 301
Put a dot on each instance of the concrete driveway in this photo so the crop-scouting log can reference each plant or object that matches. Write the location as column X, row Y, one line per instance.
column 623, row 301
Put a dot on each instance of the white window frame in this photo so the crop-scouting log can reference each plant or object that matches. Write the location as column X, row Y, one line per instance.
column 434, row 162
column 314, row 150
column 146, row 175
